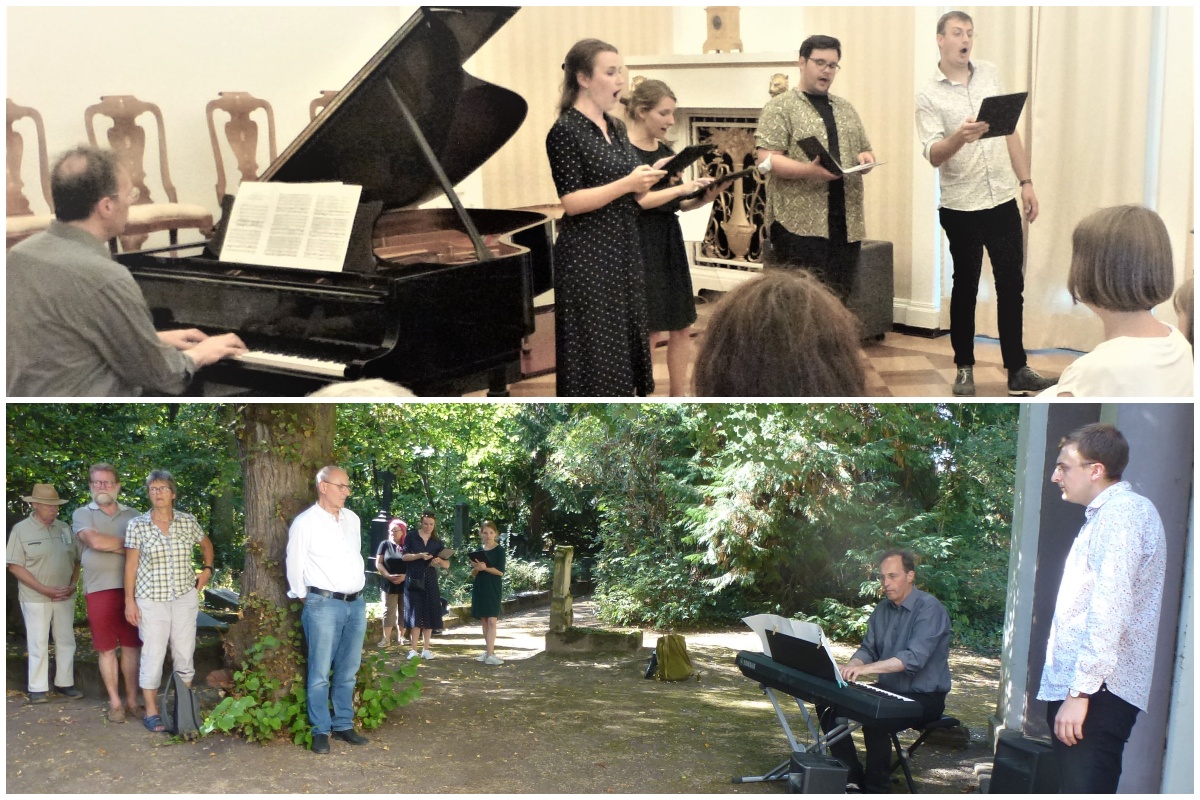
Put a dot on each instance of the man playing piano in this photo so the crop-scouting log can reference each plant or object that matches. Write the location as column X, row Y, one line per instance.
column 77, row 323
column 908, row 646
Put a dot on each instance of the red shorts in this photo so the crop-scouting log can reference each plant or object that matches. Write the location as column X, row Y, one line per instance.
column 106, row 616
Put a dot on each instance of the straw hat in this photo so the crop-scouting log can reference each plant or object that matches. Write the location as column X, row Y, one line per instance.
column 44, row 493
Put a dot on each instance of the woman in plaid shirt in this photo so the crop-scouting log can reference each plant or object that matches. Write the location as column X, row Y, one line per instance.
column 161, row 587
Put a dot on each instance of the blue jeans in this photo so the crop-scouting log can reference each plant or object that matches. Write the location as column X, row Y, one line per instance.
column 334, row 630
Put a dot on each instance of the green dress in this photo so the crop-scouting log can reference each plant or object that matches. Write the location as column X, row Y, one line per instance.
column 486, row 592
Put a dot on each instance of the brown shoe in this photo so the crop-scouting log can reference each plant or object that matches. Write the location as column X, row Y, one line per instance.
column 115, row 714
column 137, row 712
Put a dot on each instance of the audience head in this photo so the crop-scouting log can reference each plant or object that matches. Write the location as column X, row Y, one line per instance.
column 1185, row 299
column 1102, row 444
column 580, row 60
column 333, row 488
column 1121, row 260
column 370, row 387
column 89, row 181
column 103, row 483
column 781, row 335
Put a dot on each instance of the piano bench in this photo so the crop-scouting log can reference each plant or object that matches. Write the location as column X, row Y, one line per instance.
column 924, row 730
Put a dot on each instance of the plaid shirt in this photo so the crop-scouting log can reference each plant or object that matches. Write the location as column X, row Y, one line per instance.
column 165, row 570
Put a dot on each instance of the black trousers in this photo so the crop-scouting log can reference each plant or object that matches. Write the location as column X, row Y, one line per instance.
column 878, row 775
column 969, row 232
column 833, row 262
column 1093, row 764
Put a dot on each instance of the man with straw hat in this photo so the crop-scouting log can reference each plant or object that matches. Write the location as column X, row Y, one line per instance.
column 43, row 557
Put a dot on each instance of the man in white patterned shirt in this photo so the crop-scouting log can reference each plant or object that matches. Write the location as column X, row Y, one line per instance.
column 980, row 179
column 1100, row 657
column 325, row 571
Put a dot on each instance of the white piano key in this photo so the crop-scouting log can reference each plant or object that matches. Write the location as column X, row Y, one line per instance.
column 313, row 366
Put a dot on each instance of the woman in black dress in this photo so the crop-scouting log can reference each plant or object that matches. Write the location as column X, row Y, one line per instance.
column 422, row 600
column 487, row 590
column 601, row 341
column 670, row 304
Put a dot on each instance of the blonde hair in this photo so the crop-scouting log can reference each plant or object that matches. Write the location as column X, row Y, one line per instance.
column 1121, row 260
column 645, row 97
column 1185, row 301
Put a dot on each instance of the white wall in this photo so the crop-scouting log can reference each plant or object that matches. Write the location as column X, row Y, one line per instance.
column 61, row 60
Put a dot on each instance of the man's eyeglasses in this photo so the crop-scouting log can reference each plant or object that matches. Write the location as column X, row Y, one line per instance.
column 1064, row 467
column 134, row 195
column 822, row 64
column 345, row 486
column 105, row 484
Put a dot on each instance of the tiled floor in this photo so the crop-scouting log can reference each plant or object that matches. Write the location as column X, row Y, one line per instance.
column 898, row 366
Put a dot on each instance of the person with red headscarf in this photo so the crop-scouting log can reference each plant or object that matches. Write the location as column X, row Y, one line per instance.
column 390, row 567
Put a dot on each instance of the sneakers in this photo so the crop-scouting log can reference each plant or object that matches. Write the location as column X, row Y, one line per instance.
column 481, row 657
column 383, row 643
column 1024, row 382
column 69, row 691
column 427, row 654
column 964, row 382
column 320, row 743
column 350, row 735
column 495, row 661
column 411, row 655
column 36, row 698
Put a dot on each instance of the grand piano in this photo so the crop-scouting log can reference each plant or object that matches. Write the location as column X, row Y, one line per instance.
column 437, row 300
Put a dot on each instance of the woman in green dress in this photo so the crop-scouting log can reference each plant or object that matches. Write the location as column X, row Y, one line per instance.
column 487, row 570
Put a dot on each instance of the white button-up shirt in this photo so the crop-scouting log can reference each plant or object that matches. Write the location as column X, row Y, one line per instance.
column 324, row 551
column 980, row 175
column 1106, row 617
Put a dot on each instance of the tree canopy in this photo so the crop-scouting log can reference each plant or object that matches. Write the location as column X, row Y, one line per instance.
column 689, row 514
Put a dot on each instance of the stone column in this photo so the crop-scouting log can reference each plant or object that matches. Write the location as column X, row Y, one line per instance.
column 562, row 614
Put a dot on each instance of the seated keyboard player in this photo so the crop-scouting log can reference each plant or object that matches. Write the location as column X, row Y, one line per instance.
column 908, row 646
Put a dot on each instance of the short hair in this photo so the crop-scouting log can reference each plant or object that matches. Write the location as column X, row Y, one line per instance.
column 907, row 558
column 645, row 97
column 429, row 513
column 395, row 523
column 581, row 58
column 1185, row 301
column 163, row 476
column 323, row 474
column 819, row 42
column 103, row 466
column 1121, row 260
column 1102, row 443
column 368, row 387
column 961, row 16
column 780, row 335
column 80, row 179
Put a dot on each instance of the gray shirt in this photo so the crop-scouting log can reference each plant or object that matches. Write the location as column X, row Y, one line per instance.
column 78, row 325
column 102, row 570
column 918, row 633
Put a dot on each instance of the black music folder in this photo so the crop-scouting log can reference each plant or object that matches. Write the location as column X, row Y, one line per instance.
column 810, row 658
column 813, row 148
column 1001, row 111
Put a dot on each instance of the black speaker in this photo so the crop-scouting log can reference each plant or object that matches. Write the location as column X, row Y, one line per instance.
column 816, row 773
column 462, row 523
column 1023, row 766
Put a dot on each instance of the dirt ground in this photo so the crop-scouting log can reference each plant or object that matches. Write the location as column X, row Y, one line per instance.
column 537, row 724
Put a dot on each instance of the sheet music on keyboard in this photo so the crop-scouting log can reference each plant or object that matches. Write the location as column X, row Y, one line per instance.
column 797, row 629
column 293, row 225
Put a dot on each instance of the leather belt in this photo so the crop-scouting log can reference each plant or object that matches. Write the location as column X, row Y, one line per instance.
column 349, row 598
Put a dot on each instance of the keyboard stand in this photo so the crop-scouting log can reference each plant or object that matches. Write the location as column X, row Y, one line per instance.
column 820, row 741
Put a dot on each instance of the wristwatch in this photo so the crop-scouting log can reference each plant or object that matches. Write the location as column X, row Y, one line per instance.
column 1077, row 693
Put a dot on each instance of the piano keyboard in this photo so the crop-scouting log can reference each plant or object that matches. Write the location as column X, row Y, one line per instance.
column 309, row 366
column 873, row 689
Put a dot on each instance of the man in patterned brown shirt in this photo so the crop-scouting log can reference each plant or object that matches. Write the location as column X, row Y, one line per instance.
column 815, row 217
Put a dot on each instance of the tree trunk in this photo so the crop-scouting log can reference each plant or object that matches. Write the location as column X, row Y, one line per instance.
column 282, row 448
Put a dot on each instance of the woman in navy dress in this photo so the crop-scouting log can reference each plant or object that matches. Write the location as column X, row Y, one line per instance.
column 670, row 302
column 487, row 589
column 601, row 339
column 423, row 607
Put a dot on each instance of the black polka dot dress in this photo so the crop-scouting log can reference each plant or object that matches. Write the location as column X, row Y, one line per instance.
column 601, row 341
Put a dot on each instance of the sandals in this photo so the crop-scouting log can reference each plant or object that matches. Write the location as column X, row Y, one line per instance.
column 154, row 724
column 115, row 714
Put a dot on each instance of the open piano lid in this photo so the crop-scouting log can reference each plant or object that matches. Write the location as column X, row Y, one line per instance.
column 362, row 137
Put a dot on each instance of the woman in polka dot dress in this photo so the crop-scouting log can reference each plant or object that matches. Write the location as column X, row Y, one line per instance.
column 601, row 340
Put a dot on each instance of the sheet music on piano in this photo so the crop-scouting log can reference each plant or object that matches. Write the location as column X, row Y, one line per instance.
column 292, row 225
column 797, row 629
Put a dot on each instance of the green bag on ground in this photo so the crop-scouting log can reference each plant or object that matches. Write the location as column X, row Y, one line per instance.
column 674, row 664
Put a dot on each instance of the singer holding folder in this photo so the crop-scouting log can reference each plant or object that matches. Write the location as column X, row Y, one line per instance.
column 908, row 646
column 815, row 217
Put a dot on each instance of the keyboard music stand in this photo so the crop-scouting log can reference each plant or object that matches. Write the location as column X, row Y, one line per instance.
column 815, row 659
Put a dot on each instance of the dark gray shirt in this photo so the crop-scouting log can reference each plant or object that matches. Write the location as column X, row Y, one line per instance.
column 77, row 323
column 918, row 633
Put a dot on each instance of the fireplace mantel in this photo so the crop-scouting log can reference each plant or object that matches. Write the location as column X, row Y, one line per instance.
column 724, row 81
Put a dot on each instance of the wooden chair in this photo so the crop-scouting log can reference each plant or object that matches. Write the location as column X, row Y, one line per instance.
column 128, row 140
column 20, row 221
column 242, row 133
column 317, row 105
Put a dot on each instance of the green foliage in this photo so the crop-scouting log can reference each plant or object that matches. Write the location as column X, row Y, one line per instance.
column 842, row 622
column 381, row 688
column 522, row 575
